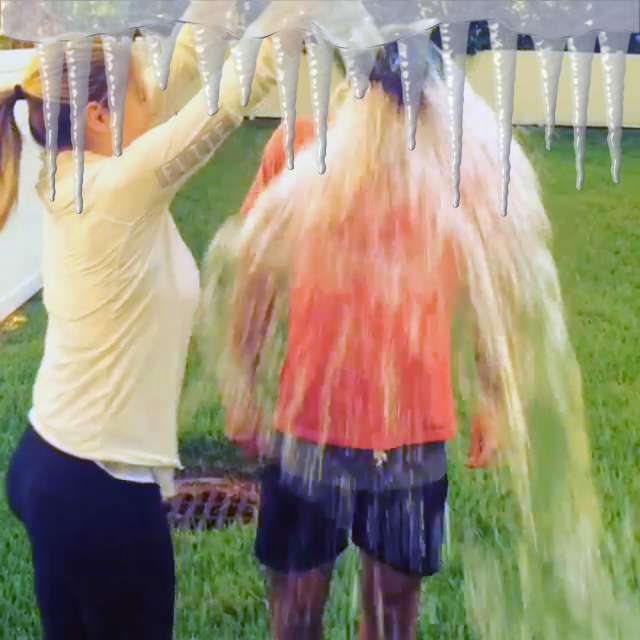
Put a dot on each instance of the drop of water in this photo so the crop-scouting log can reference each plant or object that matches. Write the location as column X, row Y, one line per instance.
column 78, row 58
column 51, row 59
column 613, row 49
column 287, row 46
column 245, row 54
column 117, row 56
column 210, row 49
column 580, row 56
column 161, row 47
column 359, row 64
column 413, row 65
column 550, row 54
column 320, row 56
column 504, row 45
column 454, row 55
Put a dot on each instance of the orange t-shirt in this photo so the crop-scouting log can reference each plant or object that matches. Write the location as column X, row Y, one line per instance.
column 353, row 411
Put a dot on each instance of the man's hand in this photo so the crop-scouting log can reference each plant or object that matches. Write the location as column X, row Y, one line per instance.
column 250, row 448
column 484, row 442
column 243, row 429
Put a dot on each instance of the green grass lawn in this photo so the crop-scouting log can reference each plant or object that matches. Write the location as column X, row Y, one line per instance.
column 221, row 595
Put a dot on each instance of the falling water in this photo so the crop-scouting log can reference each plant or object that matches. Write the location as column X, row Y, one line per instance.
column 454, row 55
column 78, row 58
column 51, row 58
column 117, row 55
column 580, row 56
column 613, row 54
column 287, row 47
column 550, row 55
column 320, row 66
column 210, row 50
column 504, row 45
column 245, row 54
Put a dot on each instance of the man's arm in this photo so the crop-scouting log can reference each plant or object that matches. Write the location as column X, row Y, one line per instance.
column 485, row 420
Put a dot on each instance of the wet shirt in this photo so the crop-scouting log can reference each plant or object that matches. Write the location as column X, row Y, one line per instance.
column 353, row 411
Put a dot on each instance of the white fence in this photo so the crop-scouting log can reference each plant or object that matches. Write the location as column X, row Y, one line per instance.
column 21, row 238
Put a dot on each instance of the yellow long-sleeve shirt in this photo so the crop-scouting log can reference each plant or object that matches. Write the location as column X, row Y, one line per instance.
column 121, row 289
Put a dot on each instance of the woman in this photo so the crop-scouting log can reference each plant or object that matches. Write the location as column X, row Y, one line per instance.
column 120, row 288
column 344, row 289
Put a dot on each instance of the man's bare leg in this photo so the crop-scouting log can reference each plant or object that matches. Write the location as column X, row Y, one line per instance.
column 297, row 603
column 389, row 602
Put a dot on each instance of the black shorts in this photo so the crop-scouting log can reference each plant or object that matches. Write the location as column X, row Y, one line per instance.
column 402, row 528
column 101, row 547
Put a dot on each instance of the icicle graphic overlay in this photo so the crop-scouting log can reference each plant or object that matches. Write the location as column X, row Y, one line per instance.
column 320, row 66
column 210, row 50
column 613, row 54
column 117, row 56
column 504, row 46
column 454, row 55
column 51, row 58
column 245, row 54
column 357, row 29
column 581, row 57
column 78, row 59
column 550, row 55
column 287, row 49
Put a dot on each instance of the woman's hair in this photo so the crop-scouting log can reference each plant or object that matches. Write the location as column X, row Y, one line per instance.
column 31, row 90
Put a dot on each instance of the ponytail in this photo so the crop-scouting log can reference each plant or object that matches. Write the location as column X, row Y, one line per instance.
column 10, row 152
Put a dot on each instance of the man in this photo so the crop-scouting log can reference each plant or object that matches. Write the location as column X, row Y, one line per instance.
column 359, row 395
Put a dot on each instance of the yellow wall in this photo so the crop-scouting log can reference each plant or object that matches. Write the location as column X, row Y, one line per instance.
column 528, row 107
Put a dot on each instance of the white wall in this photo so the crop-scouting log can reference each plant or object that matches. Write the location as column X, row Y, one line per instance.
column 528, row 104
column 21, row 238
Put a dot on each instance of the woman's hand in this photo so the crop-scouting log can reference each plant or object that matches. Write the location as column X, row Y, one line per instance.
column 484, row 441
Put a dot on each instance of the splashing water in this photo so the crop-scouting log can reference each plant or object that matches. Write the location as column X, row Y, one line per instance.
column 546, row 578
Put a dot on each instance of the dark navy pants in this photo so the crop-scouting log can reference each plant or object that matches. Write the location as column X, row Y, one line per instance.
column 101, row 547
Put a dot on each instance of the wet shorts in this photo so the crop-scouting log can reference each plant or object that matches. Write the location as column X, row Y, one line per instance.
column 401, row 527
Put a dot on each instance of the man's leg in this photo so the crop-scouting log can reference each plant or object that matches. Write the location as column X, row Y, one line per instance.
column 297, row 542
column 400, row 534
column 389, row 602
column 297, row 603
